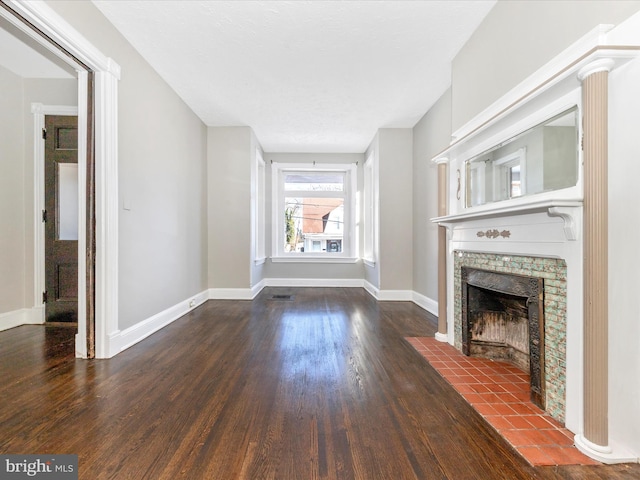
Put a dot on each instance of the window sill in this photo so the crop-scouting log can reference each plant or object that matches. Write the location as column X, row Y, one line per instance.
column 311, row 259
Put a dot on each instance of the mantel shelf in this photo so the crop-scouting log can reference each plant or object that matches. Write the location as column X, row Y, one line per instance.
column 553, row 207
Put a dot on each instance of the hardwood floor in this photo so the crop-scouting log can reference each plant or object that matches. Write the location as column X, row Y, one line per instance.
column 320, row 386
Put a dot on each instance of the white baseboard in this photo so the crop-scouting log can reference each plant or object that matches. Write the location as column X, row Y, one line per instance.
column 429, row 304
column 121, row 340
column 372, row 289
column 13, row 319
column 232, row 293
column 23, row 316
column 257, row 288
column 313, row 282
column 610, row 454
column 395, row 295
column 388, row 295
column 442, row 337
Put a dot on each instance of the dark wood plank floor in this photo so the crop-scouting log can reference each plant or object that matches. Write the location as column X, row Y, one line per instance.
column 321, row 386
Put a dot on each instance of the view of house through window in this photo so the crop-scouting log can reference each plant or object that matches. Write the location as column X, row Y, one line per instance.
column 314, row 208
column 314, row 223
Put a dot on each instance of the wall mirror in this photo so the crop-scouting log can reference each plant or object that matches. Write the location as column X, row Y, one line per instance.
column 541, row 159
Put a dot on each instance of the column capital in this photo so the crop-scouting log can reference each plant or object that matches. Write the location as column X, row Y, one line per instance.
column 600, row 65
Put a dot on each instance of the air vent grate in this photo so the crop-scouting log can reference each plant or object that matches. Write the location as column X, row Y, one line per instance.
column 281, row 297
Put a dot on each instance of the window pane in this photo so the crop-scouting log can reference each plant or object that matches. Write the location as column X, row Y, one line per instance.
column 67, row 201
column 514, row 182
column 313, row 224
column 314, row 182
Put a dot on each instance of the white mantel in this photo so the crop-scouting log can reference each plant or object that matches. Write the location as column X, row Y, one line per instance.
column 546, row 229
column 568, row 210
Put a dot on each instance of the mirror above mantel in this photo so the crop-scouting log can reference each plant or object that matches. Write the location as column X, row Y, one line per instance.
column 541, row 159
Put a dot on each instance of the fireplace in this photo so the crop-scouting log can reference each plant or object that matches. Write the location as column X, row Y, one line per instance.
column 503, row 319
column 550, row 276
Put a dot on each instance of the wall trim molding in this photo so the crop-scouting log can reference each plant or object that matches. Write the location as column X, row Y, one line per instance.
column 23, row 316
column 232, row 293
column 257, row 288
column 371, row 289
column 313, row 282
column 395, row 295
column 420, row 300
column 428, row 304
column 607, row 455
column 123, row 339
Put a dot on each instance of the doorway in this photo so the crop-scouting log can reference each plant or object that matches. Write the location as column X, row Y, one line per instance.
column 97, row 112
column 60, row 217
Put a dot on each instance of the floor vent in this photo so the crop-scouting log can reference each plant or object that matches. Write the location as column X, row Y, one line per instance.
column 281, row 297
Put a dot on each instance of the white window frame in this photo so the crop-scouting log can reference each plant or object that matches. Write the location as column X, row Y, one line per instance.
column 259, row 202
column 500, row 169
column 370, row 196
column 278, row 173
column 476, row 176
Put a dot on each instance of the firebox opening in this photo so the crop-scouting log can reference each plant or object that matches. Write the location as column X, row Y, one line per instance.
column 499, row 327
column 503, row 319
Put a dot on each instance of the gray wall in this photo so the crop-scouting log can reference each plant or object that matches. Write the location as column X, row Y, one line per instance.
column 395, row 161
column 517, row 38
column 431, row 135
column 339, row 271
column 162, row 177
column 12, row 194
column 230, row 156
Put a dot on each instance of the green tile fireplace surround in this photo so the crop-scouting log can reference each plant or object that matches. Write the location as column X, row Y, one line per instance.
column 554, row 273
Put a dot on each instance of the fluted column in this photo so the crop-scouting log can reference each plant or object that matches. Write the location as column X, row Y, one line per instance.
column 442, row 254
column 596, row 268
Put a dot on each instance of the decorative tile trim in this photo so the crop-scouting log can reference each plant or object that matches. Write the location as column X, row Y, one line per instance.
column 554, row 273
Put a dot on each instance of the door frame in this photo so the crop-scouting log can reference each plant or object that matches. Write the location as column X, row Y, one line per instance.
column 98, row 146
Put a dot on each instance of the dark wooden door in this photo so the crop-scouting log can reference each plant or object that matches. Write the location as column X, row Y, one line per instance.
column 61, row 215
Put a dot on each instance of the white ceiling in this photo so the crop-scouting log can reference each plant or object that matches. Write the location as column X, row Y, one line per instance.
column 307, row 76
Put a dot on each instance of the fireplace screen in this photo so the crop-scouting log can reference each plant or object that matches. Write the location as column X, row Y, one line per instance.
column 503, row 319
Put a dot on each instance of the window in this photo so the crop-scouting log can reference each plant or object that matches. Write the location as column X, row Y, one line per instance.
column 314, row 212
column 509, row 171
column 370, row 209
